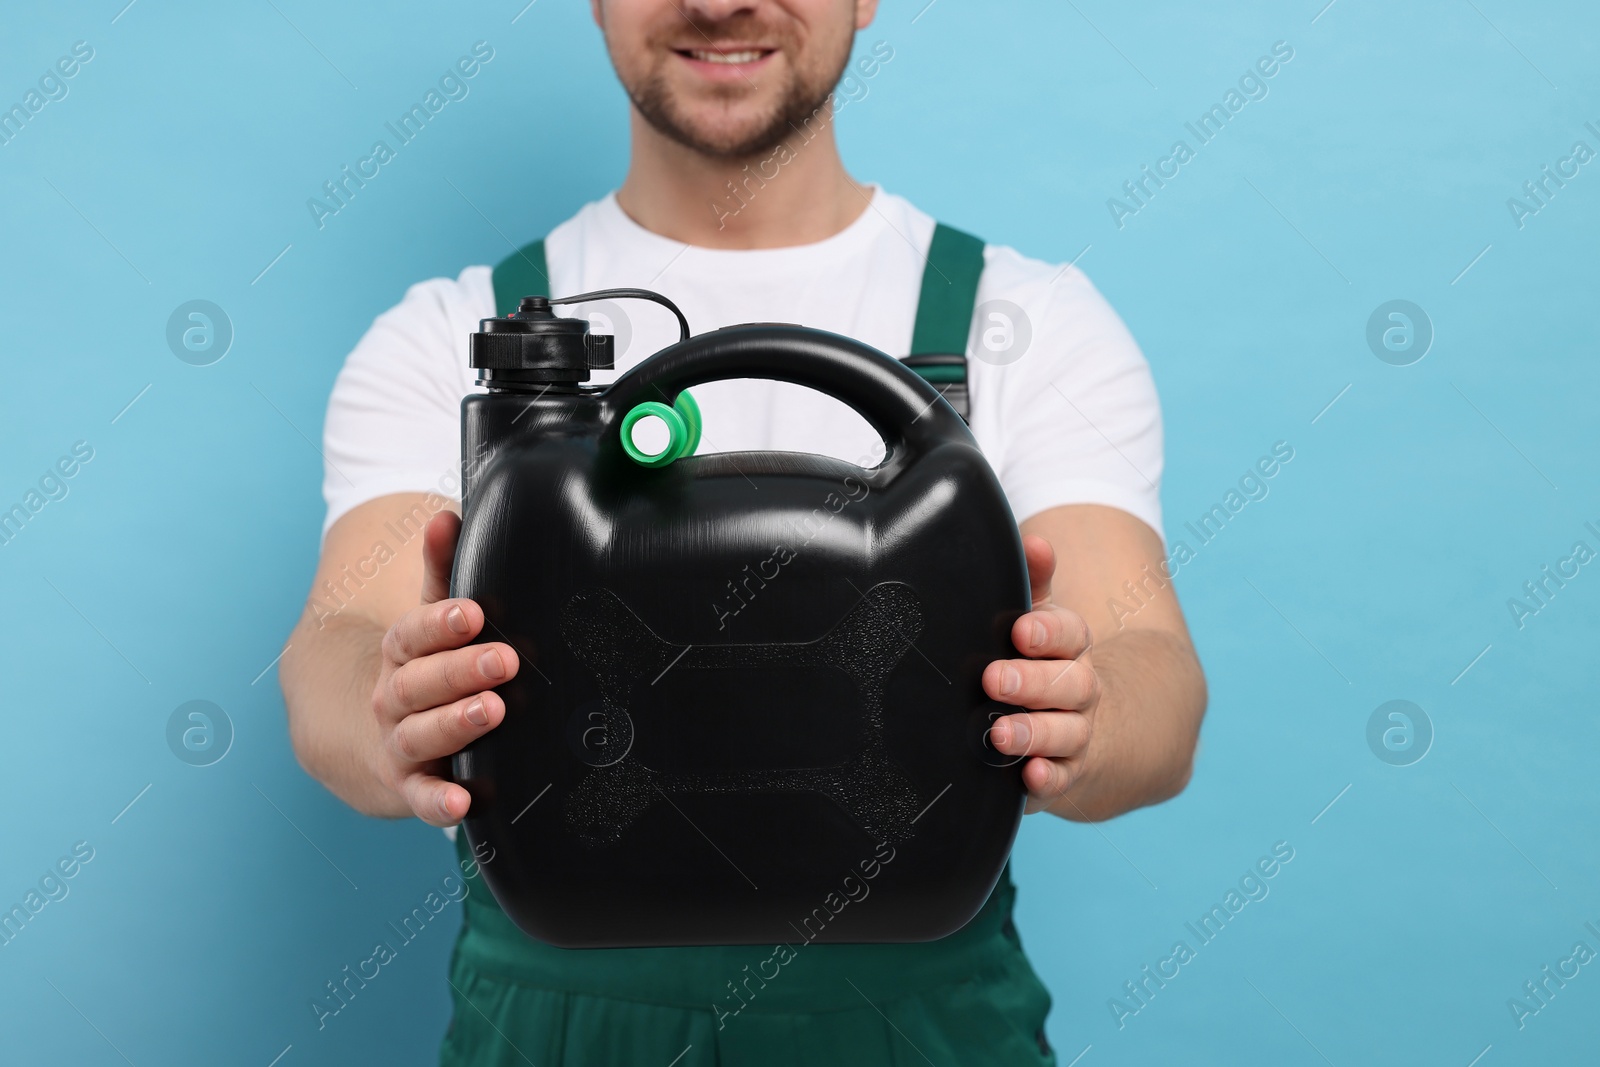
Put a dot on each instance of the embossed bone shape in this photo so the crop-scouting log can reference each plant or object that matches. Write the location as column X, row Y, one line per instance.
column 614, row 643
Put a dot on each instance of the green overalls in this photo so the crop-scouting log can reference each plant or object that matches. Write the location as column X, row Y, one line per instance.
column 969, row 999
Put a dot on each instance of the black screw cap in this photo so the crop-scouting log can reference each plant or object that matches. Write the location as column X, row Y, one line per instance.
column 533, row 345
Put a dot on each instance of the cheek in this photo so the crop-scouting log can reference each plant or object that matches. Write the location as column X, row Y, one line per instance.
column 827, row 31
column 637, row 35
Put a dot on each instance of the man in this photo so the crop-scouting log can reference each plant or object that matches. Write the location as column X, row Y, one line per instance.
column 737, row 206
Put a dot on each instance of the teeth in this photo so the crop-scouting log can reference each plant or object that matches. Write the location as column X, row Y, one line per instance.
column 726, row 57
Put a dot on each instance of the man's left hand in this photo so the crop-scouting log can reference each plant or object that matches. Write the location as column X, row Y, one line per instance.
column 1056, row 682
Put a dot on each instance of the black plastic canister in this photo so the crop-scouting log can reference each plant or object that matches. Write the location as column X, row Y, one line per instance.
column 749, row 680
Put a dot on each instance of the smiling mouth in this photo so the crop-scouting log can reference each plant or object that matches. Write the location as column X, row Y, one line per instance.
column 729, row 57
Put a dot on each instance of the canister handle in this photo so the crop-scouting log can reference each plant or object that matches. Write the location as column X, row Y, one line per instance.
column 907, row 412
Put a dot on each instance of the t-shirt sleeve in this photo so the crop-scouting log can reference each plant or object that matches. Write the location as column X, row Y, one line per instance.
column 393, row 422
column 1075, row 417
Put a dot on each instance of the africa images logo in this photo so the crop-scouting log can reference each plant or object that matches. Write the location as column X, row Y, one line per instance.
column 1252, row 86
column 452, row 86
column 1252, row 887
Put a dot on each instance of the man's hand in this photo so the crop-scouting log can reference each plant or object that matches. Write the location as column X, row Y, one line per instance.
column 1057, row 682
column 433, row 692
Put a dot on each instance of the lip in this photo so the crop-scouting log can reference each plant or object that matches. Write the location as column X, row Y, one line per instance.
column 713, row 70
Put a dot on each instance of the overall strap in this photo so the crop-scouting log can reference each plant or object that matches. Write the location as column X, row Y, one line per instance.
column 522, row 273
column 938, row 338
column 944, row 314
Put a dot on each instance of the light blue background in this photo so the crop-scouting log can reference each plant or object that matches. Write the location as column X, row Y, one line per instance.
column 1380, row 565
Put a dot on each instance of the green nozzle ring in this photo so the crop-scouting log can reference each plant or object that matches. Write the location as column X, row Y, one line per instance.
column 682, row 420
column 691, row 416
column 677, row 434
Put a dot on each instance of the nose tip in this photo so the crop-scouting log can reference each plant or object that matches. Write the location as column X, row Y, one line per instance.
column 715, row 10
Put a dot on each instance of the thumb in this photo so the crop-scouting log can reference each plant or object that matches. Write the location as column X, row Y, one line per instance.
column 438, row 554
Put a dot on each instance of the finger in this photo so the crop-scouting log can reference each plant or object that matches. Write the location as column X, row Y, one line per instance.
column 1052, row 632
column 438, row 554
column 1052, row 734
column 434, row 800
column 1042, row 684
column 1041, row 559
column 1047, row 782
column 425, row 736
column 445, row 677
column 432, row 628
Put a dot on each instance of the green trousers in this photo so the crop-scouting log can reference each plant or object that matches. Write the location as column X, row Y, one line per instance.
column 970, row 999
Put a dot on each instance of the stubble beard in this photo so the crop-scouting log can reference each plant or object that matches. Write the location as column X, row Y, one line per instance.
column 802, row 99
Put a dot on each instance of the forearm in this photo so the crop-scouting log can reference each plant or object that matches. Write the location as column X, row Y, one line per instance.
column 1152, row 698
column 328, row 675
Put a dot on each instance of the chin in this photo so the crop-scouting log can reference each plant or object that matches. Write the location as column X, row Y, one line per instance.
column 731, row 142
column 713, row 131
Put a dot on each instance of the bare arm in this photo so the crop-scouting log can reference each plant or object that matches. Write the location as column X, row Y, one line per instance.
column 1116, row 694
column 380, row 689
column 378, row 678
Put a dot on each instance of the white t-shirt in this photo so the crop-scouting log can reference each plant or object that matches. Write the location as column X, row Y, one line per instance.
column 1073, row 420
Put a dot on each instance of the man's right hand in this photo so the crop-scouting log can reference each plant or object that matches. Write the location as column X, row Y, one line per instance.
column 433, row 693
